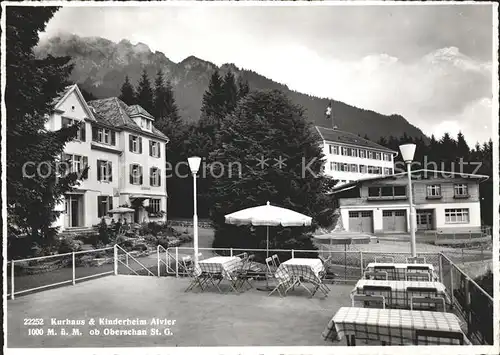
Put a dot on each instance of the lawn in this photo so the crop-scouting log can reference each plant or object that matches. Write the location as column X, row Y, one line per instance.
column 201, row 319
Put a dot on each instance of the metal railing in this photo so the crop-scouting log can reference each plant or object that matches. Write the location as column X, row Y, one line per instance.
column 34, row 274
column 463, row 236
column 471, row 301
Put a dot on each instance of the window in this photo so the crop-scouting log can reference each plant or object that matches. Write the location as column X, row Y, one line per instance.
column 154, row 205
column 354, row 168
column 387, row 171
column 148, row 125
column 370, row 154
column 362, row 169
column 374, row 169
column 104, row 204
column 334, row 166
column 387, row 192
column 135, row 174
column 103, row 135
column 80, row 135
column 378, row 156
column 344, row 151
column 73, row 163
column 154, row 149
column 362, row 153
column 387, row 157
column 143, row 122
column 400, row 191
column 433, row 191
column 344, row 167
column 456, row 215
column 154, row 177
column 334, row 149
column 461, row 190
column 354, row 152
column 104, row 171
column 135, row 144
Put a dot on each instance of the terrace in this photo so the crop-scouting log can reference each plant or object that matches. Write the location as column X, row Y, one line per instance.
column 153, row 286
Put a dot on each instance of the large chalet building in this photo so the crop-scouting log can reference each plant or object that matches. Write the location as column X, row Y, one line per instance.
column 126, row 155
column 349, row 157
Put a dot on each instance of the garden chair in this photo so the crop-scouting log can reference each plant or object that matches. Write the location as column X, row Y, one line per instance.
column 439, row 335
column 276, row 260
column 242, row 275
column 328, row 269
column 375, row 275
column 389, row 269
column 372, row 290
column 282, row 277
column 428, row 303
column 369, row 301
column 196, row 276
column 417, row 276
column 419, row 292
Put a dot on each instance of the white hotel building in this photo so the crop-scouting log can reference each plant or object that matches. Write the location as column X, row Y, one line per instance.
column 349, row 158
column 126, row 156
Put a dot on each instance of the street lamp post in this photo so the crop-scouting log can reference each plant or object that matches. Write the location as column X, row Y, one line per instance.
column 408, row 152
column 194, row 165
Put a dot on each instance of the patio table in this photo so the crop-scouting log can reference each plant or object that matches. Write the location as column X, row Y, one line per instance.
column 400, row 269
column 225, row 266
column 391, row 326
column 400, row 297
column 302, row 269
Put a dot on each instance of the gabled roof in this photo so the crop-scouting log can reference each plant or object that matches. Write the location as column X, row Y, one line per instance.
column 115, row 112
column 59, row 99
column 342, row 137
column 418, row 174
column 135, row 110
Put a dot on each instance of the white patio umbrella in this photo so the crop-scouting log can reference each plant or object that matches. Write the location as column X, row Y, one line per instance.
column 121, row 210
column 268, row 215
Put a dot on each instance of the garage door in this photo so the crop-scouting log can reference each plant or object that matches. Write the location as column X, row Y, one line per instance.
column 394, row 220
column 361, row 221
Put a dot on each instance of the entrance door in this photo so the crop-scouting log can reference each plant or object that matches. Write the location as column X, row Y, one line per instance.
column 424, row 220
column 74, row 211
column 394, row 220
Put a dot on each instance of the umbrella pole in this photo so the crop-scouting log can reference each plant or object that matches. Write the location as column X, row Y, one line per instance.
column 267, row 251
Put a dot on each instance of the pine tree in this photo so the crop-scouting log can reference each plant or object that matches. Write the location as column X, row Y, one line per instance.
column 165, row 108
column 31, row 90
column 212, row 108
column 230, row 92
column 462, row 147
column 268, row 124
column 127, row 92
column 144, row 96
column 243, row 88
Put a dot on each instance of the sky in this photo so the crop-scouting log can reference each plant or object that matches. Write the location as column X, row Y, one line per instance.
column 431, row 64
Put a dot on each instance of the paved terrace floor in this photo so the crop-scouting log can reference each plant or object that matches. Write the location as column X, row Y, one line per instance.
column 201, row 319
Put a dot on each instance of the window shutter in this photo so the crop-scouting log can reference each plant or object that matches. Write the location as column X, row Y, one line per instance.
column 99, row 207
column 110, row 171
column 110, row 199
column 150, row 148
column 99, row 175
column 113, row 138
column 130, row 143
column 158, row 172
column 140, row 145
column 64, row 122
column 85, row 162
column 94, row 134
column 131, row 174
column 159, row 149
column 151, row 172
column 140, row 172
column 82, row 132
